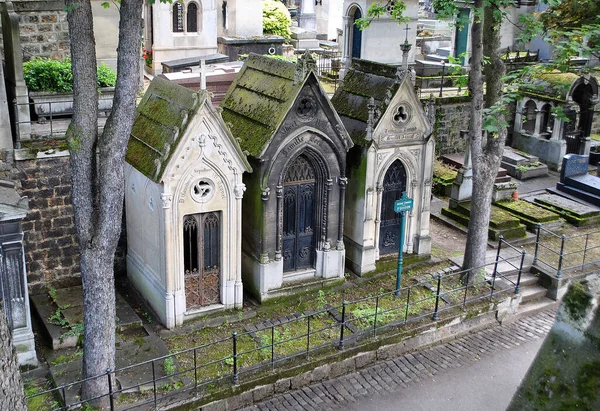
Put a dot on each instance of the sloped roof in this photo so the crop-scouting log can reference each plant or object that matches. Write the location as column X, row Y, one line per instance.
column 553, row 85
column 161, row 120
column 364, row 80
column 258, row 100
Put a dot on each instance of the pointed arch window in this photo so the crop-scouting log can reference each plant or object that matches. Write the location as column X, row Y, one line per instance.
column 177, row 17
column 192, row 18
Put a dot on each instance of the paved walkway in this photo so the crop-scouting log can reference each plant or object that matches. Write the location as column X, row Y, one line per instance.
column 393, row 376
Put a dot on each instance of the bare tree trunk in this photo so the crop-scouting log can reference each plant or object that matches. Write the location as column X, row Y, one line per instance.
column 12, row 395
column 486, row 157
column 98, row 183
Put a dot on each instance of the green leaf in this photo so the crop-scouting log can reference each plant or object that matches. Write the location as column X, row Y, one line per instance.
column 106, row 5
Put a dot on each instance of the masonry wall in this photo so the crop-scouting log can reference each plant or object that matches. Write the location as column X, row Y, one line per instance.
column 51, row 249
column 450, row 118
column 44, row 34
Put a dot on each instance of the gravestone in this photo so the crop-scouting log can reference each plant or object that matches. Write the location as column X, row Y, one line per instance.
column 462, row 188
column 573, row 165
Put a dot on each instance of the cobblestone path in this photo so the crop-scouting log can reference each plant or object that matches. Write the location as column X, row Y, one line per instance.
column 392, row 376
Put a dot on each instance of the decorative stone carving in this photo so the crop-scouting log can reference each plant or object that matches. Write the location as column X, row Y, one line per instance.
column 167, row 200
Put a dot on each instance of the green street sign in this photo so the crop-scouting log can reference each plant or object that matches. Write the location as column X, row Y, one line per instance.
column 404, row 204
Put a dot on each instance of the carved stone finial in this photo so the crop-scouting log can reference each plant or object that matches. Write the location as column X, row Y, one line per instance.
column 371, row 119
column 306, row 63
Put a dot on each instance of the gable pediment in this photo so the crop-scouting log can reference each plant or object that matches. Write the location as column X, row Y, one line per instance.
column 404, row 120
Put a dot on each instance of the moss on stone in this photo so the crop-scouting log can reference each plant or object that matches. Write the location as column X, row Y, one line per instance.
column 258, row 101
column 162, row 118
column 577, row 300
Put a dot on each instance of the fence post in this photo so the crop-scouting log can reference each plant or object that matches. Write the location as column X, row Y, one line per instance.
column 110, row 391
column 195, row 372
column 464, row 307
column 341, row 345
column 154, row 382
column 560, row 259
column 437, row 296
column 308, row 339
column 587, row 236
column 375, row 320
column 235, row 374
column 517, row 288
column 537, row 243
column 272, row 347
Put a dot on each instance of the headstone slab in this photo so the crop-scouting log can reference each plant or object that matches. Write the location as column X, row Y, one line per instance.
column 562, row 202
column 572, row 165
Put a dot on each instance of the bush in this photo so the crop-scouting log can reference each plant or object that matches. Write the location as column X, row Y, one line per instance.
column 55, row 75
column 276, row 19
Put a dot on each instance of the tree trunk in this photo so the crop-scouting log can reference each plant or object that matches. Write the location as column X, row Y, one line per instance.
column 97, row 176
column 486, row 157
column 12, row 395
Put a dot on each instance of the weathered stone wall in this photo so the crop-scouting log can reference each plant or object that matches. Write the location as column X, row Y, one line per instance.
column 51, row 249
column 450, row 118
column 50, row 241
column 44, row 34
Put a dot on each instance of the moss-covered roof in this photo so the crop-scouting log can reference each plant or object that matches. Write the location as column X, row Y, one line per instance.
column 258, row 100
column 364, row 80
column 551, row 84
column 161, row 120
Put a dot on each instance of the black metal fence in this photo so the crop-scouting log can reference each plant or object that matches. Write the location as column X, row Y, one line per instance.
column 49, row 120
column 331, row 328
column 560, row 254
column 329, row 63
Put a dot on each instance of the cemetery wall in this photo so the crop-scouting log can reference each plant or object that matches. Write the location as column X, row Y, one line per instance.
column 44, row 34
column 51, row 249
column 450, row 118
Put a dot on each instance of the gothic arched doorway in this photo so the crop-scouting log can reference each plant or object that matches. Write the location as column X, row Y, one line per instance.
column 394, row 183
column 356, row 34
column 298, row 215
column 201, row 254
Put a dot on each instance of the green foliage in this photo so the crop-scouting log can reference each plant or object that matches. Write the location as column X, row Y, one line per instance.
column 395, row 9
column 276, row 19
column 169, row 366
column 43, row 74
column 243, row 57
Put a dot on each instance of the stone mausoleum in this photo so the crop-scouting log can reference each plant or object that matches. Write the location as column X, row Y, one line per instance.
column 393, row 153
column 183, row 201
column 538, row 131
column 294, row 208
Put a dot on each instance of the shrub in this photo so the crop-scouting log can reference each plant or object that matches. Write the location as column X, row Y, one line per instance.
column 43, row 74
column 276, row 19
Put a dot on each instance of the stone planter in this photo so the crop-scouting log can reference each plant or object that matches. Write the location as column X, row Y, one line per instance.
column 47, row 103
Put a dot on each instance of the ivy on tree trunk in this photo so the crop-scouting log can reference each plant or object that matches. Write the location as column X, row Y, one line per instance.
column 97, row 169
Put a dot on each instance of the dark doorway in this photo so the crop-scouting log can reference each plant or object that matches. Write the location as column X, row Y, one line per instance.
column 356, row 35
column 298, row 214
column 394, row 184
column 201, row 253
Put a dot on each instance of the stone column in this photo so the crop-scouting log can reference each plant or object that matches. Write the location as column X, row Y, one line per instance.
column 307, row 19
column 279, row 194
column 17, row 90
column 343, row 181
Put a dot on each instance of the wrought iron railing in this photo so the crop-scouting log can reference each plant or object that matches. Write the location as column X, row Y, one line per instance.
column 329, row 328
column 579, row 254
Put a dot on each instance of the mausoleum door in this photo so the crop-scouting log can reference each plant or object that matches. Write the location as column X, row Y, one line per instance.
column 356, row 35
column 298, row 216
column 394, row 183
column 202, row 259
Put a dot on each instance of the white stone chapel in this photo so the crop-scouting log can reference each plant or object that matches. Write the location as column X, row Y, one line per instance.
column 183, row 201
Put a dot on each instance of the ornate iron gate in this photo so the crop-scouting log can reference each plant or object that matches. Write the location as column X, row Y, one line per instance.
column 298, row 206
column 202, row 242
column 394, row 183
